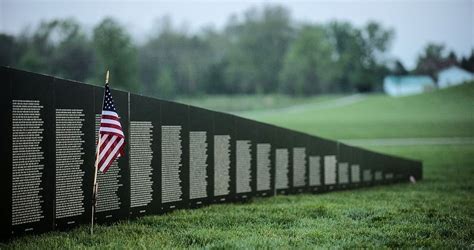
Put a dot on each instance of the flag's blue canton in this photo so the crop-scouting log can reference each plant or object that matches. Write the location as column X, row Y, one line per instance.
column 108, row 101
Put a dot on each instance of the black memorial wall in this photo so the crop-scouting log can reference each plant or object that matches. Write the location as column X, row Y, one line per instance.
column 245, row 158
column 201, row 157
column 223, row 150
column 144, row 153
column 315, row 162
column 299, row 162
column 264, row 181
column 174, row 155
column 177, row 156
column 74, row 152
column 343, row 165
column 283, row 141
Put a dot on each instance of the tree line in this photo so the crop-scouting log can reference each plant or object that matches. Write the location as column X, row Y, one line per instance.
column 260, row 51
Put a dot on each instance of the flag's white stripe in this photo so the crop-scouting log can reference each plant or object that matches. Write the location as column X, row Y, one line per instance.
column 112, row 154
column 110, row 121
column 112, row 113
column 109, row 144
column 112, row 130
column 101, row 141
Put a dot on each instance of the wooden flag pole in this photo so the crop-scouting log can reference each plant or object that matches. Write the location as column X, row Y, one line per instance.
column 96, row 166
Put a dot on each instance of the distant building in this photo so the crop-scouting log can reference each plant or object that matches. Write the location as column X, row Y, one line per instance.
column 453, row 76
column 407, row 85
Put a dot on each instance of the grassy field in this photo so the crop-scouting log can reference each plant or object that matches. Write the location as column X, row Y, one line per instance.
column 436, row 212
column 239, row 103
column 443, row 113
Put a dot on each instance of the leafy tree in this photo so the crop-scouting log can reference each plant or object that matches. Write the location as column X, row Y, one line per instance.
column 261, row 51
column 376, row 41
column 257, row 48
column 165, row 86
column 468, row 62
column 308, row 63
column 359, row 55
column 8, row 50
column 37, row 48
column 452, row 58
column 116, row 52
column 399, row 69
column 73, row 55
column 214, row 76
column 186, row 58
column 349, row 52
column 434, row 59
column 32, row 61
column 57, row 47
column 214, row 79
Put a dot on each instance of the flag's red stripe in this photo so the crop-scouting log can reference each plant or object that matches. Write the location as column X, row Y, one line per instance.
column 111, row 117
column 107, row 147
column 111, row 122
column 108, row 125
column 110, row 164
column 104, row 143
column 111, row 149
column 107, row 153
column 112, row 133
column 106, row 168
column 114, row 157
column 102, row 146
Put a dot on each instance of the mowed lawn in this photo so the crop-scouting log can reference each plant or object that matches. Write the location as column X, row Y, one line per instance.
column 435, row 212
column 445, row 113
column 238, row 103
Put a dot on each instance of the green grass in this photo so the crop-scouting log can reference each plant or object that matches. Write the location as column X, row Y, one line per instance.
column 437, row 212
column 444, row 113
column 238, row 103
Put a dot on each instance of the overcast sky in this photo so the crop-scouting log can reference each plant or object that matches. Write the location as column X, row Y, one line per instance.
column 416, row 22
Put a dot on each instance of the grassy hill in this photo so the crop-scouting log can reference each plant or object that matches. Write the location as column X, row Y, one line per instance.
column 239, row 103
column 448, row 112
column 436, row 212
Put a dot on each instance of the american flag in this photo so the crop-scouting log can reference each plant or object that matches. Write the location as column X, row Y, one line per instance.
column 111, row 139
